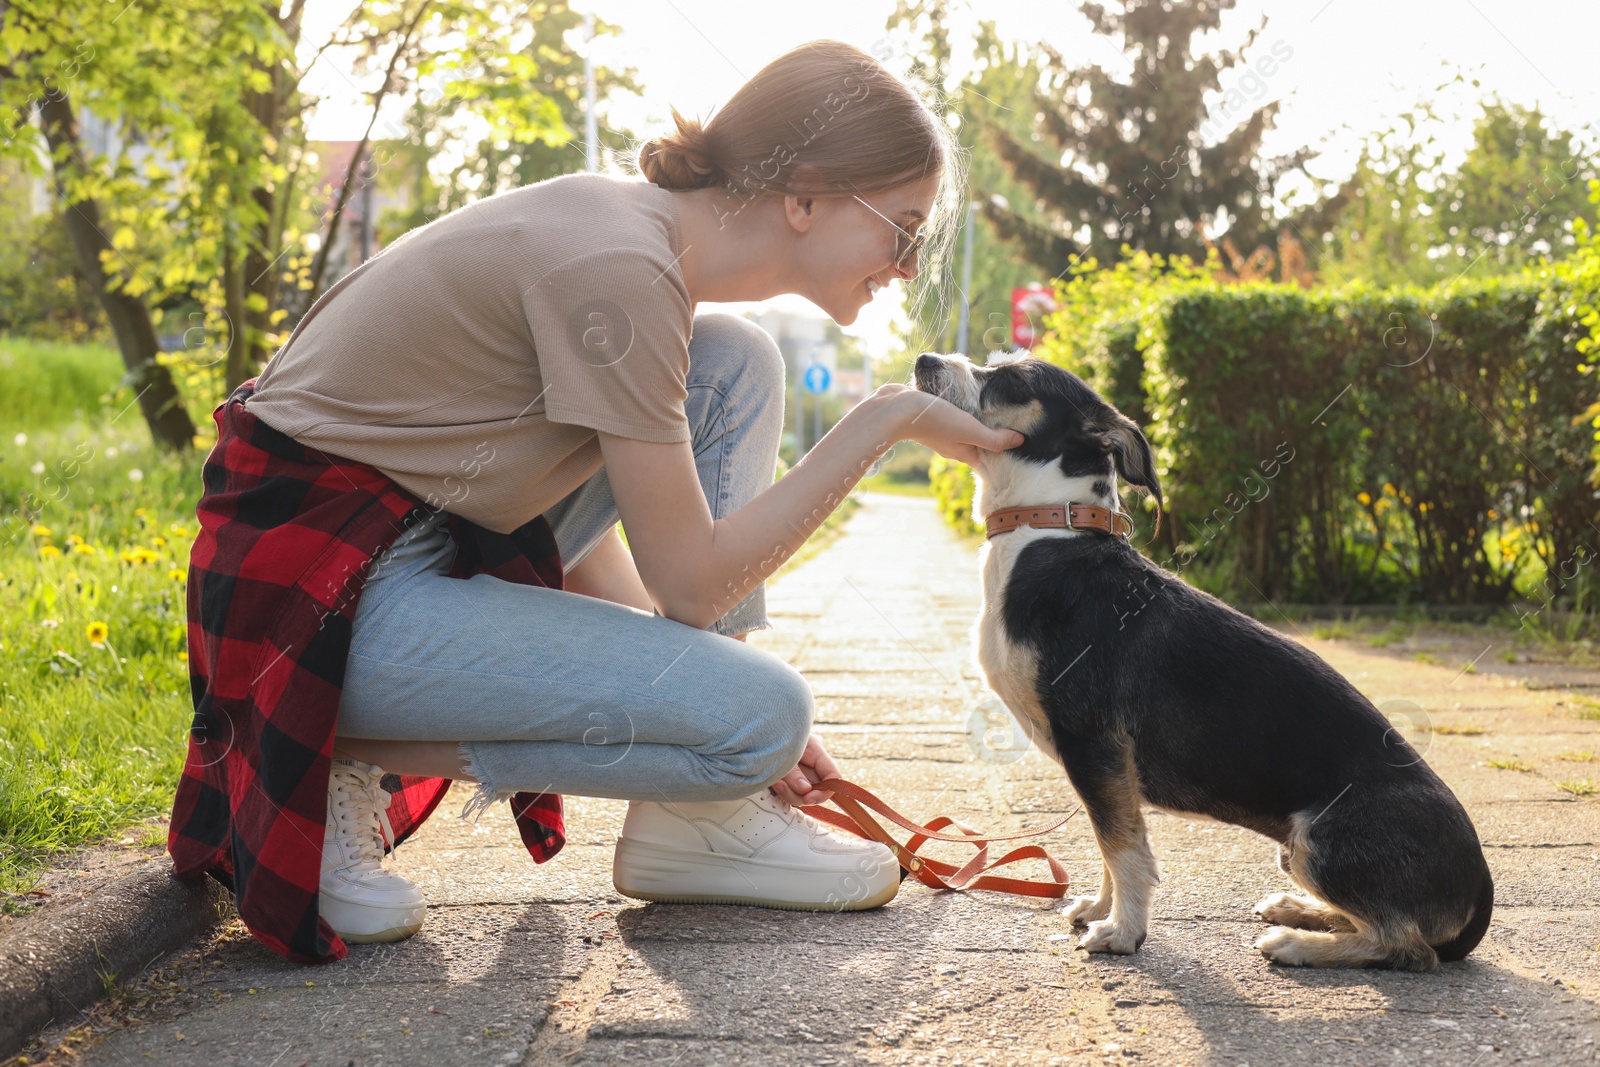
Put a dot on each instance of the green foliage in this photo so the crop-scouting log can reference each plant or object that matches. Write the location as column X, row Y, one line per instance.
column 1513, row 201
column 526, row 145
column 1583, row 276
column 94, row 532
column 953, row 485
column 1514, row 197
column 998, row 92
column 1353, row 444
column 1136, row 156
column 907, row 462
column 40, row 291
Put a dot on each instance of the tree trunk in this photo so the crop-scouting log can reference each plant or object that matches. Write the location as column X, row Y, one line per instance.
column 241, row 363
column 260, row 261
column 163, row 410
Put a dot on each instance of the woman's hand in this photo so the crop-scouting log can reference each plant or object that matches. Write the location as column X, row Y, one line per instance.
column 943, row 427
column 796, row 787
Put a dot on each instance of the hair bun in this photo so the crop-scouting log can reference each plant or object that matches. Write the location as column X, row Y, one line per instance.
column 681, row 160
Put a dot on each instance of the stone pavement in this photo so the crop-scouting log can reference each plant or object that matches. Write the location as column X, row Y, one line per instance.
column 548, row 965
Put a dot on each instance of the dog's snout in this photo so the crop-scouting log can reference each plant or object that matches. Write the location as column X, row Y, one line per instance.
column 927, row 362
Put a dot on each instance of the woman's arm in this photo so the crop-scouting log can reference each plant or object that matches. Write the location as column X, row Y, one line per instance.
column 608, row 573
column 696, row 569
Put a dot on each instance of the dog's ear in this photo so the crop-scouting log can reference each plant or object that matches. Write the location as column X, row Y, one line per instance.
column 1131, row 454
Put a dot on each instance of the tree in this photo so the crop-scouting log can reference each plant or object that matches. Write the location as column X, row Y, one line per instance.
column 494, row 163
column 1143, row 161
column 147, row 69
column 208, row 211
column 1385, row 235
column 1513, row 199
column 1000, row 88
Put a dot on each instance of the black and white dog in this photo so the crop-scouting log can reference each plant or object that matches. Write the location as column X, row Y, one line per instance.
column 1194, row 708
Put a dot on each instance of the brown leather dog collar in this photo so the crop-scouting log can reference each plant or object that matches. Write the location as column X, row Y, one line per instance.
column 1060, row 517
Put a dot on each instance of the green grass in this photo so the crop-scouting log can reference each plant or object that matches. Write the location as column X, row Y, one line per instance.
column 1395, row 633
column 1579, row 787
column 1511, row 765
column 47, row 385
column 1586, row 708
column 95, row 528
column 1337, row 630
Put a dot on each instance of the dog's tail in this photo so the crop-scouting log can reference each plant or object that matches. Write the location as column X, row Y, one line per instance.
column 1457, row 947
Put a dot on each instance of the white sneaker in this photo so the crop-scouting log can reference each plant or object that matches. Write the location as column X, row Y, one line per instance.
column 361, row 901
column 757, row 850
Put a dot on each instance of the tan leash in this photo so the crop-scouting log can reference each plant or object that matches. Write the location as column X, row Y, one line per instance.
column 936, row 874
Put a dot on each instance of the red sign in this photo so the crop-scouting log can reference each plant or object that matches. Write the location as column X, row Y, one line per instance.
column 1029, row 305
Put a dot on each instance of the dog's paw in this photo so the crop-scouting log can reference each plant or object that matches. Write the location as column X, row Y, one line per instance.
column 1085, row 910
column 1302, row 913
column 1289, row 947
column 1107, row 936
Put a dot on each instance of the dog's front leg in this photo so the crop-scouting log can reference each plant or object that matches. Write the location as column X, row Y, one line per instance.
column 1103, row 774
column 1081, row 911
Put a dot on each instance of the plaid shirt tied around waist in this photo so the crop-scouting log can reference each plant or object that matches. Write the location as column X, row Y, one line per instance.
column 287, row 537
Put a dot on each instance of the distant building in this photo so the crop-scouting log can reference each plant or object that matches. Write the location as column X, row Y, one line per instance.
column 357, row 238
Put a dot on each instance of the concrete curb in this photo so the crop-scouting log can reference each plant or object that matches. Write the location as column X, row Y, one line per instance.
column 51, row 964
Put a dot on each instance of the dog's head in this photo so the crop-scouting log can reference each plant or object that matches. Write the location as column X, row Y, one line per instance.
column 1069, row 432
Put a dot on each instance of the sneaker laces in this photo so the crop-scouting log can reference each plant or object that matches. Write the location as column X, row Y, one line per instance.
column 779, row 806
column 355, row 793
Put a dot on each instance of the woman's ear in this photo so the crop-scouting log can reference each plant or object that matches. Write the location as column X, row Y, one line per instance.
column 800, row 209
column 800, row 212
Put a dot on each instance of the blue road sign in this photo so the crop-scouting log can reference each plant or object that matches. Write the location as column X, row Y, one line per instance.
column 817, row 378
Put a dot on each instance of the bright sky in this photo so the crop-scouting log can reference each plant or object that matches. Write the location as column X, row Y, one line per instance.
column 1347, row 66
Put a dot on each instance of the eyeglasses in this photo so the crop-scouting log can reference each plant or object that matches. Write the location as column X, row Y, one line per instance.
column 903, row 249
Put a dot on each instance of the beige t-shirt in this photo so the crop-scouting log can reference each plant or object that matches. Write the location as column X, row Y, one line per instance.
column 473, row 359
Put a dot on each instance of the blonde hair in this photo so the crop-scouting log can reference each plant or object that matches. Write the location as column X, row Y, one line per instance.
column 835, row 111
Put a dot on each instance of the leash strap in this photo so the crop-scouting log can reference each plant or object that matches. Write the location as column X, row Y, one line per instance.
column 854, row 801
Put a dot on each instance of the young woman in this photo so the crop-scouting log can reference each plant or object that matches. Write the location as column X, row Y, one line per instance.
column 533, row 364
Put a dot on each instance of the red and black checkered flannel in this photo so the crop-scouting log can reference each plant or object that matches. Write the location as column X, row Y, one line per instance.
column 286, row 538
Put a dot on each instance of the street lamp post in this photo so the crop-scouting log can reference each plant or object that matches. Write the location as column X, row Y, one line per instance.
column 966, row 278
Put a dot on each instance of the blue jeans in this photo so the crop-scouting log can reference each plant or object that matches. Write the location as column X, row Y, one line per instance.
column 552, row 691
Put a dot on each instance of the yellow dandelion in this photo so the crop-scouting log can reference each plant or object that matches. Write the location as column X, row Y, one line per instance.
column 1387, row 488
column 159, row 541
column 1363, row 499
column 48, row 552
column 142, row 554
column 175, row 574
column 139, row 512
column 42, row 531
column 98, row 632
column 83, row 550
column 74, row 539
column 125, row 556
column 183, row 657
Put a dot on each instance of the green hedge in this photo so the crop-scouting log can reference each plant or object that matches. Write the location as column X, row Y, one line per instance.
column 1430, row 441
column 953, row 486
column 1348, row 445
